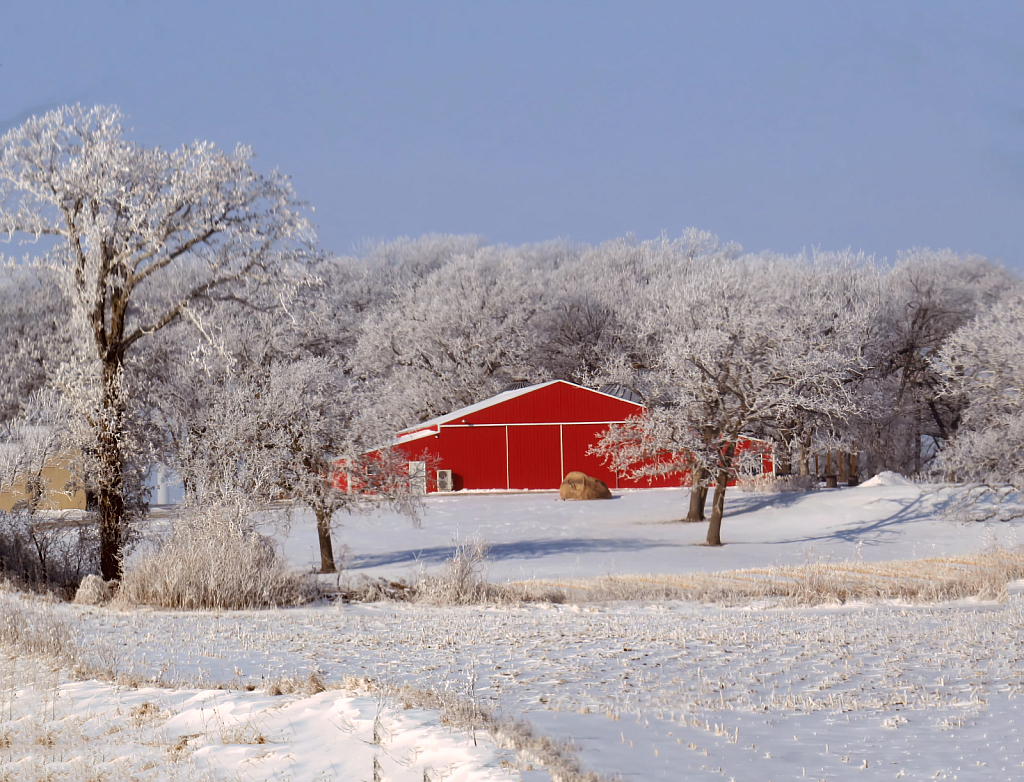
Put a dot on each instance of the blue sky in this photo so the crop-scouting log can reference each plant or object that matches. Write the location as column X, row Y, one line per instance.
column 783, row 125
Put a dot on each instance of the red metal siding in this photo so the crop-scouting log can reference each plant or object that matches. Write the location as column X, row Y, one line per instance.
column 534, row 457
column 576, row 440
column 475, row 455
column 557, row 403
column 653, row 482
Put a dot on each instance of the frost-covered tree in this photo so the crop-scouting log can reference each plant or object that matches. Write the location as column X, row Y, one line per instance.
column 30, row 441
column 33, row 316
column 982, row 365
column 135, row 237
column 924, row 298
column 283, row 430
column 742, row 342
column 459, row 335
column 838, row 295
column 362, row 284
column 259, row 405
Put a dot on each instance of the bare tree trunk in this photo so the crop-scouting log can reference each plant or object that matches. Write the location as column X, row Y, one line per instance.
column 718, row 503
column 805, row 457
column 698, row 496
column 784, row 457
column 323, row 530
column 718, row 509
column 110, row 458
column 111, row 505
column 918, row 461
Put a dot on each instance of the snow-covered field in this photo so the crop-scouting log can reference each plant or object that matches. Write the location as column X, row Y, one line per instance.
column 536, row 535
column 94, row 731
column 645, row 691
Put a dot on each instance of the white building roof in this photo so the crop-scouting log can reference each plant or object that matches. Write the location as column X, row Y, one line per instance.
column 406, row 434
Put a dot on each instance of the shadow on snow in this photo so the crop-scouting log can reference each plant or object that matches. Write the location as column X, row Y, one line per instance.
column 520, row 549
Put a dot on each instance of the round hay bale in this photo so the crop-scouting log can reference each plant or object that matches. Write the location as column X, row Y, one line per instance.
column 580, row 486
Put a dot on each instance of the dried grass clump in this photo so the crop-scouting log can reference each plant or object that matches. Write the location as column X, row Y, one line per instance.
column 463, row 581
column 375, row 590
column 93, row 591
column 981, row 576
column 773, row 484
column 33, row 628
column 286, row 685
column 213, row 559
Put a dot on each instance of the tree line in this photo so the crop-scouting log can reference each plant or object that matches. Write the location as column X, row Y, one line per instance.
column 174, row 307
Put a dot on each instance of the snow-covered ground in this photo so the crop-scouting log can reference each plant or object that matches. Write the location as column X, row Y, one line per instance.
column 645, row 691
column 53, row 729
column 537, row 535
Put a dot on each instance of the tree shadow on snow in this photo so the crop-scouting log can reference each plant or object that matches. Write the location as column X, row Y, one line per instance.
column 752, row 503
column 870, row 533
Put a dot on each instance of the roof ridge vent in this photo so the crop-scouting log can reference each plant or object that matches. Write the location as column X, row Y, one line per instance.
column 622, row 392
column 515, row 385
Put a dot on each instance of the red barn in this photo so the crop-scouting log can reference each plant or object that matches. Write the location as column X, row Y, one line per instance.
column 525, row 438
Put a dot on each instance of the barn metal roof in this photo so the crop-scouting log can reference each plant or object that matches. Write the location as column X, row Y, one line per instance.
column 430, row 427
column 462, row 412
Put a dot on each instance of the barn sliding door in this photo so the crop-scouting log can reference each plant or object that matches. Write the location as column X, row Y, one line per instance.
column 476, row 456
column 534, row 457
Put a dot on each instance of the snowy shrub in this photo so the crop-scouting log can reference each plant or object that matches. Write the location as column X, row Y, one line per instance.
column 46, row 553
column 93, row 591
column 214, row 559
column 461, row 581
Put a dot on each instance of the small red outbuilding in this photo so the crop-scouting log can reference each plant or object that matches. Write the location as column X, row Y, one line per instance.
column 526, row 438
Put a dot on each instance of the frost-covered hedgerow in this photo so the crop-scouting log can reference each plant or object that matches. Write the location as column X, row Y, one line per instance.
column 46, row 553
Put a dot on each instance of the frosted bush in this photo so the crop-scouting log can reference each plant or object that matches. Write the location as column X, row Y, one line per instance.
column 93, row 591
column 214, row 559
column 461, row 581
